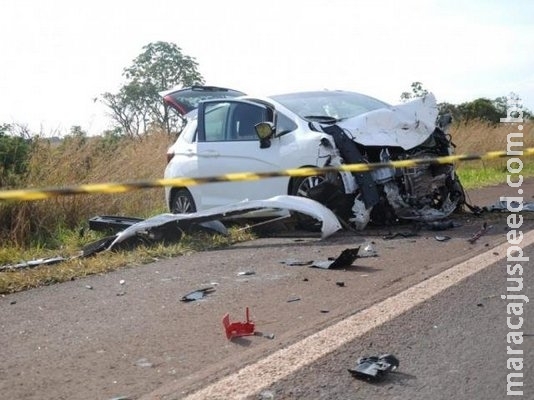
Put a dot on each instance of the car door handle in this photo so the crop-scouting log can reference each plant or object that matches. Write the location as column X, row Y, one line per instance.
column 209, row 153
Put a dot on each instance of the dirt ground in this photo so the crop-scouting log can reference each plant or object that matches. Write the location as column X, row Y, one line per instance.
column 127, row 334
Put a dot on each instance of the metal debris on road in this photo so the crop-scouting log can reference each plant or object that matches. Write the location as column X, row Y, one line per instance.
column 485, row 228
column 374, row 368
column 244, row 273
column 368, row 251
column 238, row 329
column 198, row 294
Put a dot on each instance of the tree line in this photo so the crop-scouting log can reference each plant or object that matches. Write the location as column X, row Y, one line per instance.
column 137, row 106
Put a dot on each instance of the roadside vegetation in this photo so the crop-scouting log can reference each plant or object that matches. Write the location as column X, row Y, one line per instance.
column 136, row 150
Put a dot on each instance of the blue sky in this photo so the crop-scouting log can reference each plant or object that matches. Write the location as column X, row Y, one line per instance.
column 57, row 56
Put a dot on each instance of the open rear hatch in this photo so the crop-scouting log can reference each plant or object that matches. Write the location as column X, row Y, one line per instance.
column 185, row 100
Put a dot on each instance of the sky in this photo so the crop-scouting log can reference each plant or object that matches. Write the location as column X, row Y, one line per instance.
column 58, row 57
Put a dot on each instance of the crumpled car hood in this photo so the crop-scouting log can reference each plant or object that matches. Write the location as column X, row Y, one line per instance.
column 406, row 125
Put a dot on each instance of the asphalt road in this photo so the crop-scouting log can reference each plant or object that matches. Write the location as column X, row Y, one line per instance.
column 453, row 346
column 138, row 340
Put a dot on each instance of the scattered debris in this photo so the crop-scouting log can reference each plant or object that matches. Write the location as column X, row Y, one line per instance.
column 292, row 299
column 265, row 335
column 238, row 329
column 503, row 205
column 144, row 363
column 442, row 238
column 293, row 262
column 325, row 311
column 33, row 263
column 368, row 251
column 198, row 294
column 89, row 287
column 122, row 282
column 374, row 368
column 345, row 259
column 485, row 228
column 244, row 273
column 340, row 284
column 442, row 225
column 396, row 235
column 121, row 294
column 12, row 302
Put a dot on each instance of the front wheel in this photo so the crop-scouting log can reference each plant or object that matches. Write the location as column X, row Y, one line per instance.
column 182, row 202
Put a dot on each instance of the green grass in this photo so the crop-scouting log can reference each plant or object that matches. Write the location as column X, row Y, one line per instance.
column 23, row 279
column 476, row 174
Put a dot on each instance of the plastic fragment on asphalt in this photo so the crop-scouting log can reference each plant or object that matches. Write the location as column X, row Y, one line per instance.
column 442, row 238
column 375, row 367
column 345, row 259
column 238, row 329
column 197, row 294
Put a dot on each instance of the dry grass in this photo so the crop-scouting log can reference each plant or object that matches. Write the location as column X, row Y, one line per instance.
column 89, row 160
column 50, row 228
column 478, row 137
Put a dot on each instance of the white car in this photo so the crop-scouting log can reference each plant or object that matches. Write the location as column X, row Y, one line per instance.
column 228, row 132
column 220, row 138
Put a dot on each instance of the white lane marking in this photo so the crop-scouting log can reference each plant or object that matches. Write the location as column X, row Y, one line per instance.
column 251, row 379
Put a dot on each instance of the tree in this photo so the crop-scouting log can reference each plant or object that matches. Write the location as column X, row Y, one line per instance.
column 137, row 105
column 14, row 154
column 417, row 91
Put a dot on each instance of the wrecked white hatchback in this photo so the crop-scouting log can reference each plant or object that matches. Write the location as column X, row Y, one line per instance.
column 229, row 132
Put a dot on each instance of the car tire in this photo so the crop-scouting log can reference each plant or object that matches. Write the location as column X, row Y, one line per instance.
column 182, row 202
column 300, row 187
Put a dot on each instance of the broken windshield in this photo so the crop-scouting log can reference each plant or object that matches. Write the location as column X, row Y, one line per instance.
column 338, row 105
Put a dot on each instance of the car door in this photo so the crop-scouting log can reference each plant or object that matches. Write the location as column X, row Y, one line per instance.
column 227, row 143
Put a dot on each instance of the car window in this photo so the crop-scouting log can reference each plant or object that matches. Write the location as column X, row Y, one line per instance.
column 284, row 124
column 232, row 121
column 215, row 119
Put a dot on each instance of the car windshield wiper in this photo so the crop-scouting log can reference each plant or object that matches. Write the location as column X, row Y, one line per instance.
column 327, row 119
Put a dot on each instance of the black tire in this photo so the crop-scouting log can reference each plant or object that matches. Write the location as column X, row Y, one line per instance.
column 182, row 202
column 301, row 187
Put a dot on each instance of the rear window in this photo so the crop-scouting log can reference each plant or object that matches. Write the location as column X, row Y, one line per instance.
column 188, row 99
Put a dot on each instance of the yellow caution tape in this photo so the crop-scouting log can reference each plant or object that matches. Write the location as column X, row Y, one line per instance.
column 108, row 188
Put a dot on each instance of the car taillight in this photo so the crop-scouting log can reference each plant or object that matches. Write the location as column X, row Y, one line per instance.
column 169, row 157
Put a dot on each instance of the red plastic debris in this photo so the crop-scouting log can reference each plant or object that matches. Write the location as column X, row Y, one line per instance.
column 238, row 329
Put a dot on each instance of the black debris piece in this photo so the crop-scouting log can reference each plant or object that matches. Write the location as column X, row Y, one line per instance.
column 485, row 228
column 112, row 223
column 442, row 225
column 293, row 299
column 345, row 259
column 340, row 284
column 198, row 294
column 374, row 368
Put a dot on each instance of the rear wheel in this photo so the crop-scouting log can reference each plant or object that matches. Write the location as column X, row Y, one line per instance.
column 182, row 202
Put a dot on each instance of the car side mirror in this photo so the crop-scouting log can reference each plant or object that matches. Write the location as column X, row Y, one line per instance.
column 265, row 131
